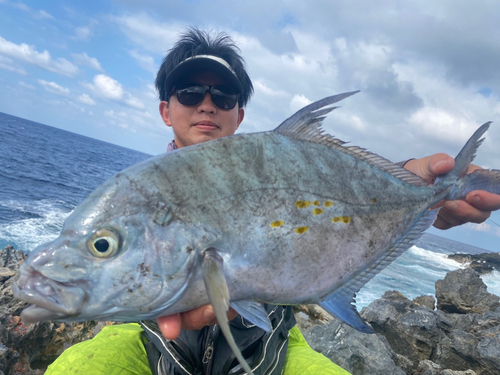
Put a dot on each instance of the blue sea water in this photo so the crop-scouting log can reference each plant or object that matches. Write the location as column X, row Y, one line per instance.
column 45, row 172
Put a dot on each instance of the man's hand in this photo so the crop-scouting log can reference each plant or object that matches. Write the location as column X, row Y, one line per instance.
column 195, row 319
column 478, row 204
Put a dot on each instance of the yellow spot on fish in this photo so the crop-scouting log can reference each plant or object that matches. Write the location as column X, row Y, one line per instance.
column 277, row 223
column 316, row 203
column 318, row 211
column 328, row 203
column 301, row 230
column 302, row 204
column 344, row 219
column 373, row 200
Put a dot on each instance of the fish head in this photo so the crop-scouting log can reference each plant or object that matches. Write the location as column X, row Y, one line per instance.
column 113, row 260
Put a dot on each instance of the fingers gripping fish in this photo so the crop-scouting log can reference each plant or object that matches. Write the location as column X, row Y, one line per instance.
column 288, row 216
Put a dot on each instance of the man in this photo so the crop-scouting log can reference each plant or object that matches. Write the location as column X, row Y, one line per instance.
column 203, row 88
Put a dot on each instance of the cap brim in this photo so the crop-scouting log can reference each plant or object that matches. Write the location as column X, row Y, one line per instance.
column 203, row 62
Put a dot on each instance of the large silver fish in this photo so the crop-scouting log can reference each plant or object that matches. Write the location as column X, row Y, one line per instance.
column 288, row 216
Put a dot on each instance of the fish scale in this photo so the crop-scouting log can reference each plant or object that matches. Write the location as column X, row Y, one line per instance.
column 289, row 216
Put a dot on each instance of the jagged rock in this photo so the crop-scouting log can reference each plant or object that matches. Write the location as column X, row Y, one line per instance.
column 481, row 263
column 463, row 291
column 412, row 330
column 427, row 367
column 354, row 351
column 457, row 343
column 427, row 301
column 27, row 349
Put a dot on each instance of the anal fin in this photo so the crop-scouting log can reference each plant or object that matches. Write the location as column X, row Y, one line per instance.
column 340, row 305
column 218, row 293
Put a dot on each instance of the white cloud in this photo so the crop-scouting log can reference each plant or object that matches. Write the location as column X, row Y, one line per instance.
column 43, row 14
column 261, row 87
column 83, row 33
column 9, row 64
column 483, row 227
column 149, row 34
column 86, row 99
column 109, row 88
column 40, row 14
column 28, row 86
column 84, row 59
column 54, row 88
column 29, row 54
column 298, row 102
column 146, row 62
column 21, row 6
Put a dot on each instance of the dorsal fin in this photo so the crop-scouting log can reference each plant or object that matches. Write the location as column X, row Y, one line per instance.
column 308, row 120
column 306, row 124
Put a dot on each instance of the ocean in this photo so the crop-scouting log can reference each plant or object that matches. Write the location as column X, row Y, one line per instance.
column 46, row 172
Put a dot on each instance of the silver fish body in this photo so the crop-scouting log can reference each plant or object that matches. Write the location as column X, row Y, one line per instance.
column 295, row 215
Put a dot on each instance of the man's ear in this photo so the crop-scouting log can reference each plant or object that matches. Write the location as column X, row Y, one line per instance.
column 241, row 116
column 165, row 113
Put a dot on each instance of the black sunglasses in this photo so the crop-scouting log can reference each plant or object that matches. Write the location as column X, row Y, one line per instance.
column 224, row 97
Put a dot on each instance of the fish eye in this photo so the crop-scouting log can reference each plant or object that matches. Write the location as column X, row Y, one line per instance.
column 103, row 243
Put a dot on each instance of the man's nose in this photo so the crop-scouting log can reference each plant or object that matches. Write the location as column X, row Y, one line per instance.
column 207, row 105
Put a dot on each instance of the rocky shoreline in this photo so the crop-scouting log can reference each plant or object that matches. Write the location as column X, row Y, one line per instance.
column 456, row 333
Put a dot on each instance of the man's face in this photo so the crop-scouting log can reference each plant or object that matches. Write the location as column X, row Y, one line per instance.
column 204, row 121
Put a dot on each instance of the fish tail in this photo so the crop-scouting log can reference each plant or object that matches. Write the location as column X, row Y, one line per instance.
column 464, row 157
column 462, row 183
column 480, row 179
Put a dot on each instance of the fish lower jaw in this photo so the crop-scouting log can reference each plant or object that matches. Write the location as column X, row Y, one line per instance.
column 35, row 314
column 50, row 299
column 42, row 308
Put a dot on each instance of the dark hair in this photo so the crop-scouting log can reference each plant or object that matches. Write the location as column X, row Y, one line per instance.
column 197, row 42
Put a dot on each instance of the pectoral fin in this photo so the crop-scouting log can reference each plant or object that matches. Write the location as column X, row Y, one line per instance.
column 254, row 312
column 216, row 286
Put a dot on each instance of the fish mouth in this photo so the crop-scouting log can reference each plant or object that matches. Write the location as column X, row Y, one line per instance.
column 51, row 300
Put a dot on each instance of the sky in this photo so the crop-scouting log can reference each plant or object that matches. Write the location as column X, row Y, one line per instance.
column 428, row 71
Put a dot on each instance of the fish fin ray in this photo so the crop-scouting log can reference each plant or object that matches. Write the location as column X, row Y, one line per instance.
column 306, row 124
column 465, row 156
column 254, row 312
column 218, row 293
column 335, row 303
column 308, row 120
column 480, row 179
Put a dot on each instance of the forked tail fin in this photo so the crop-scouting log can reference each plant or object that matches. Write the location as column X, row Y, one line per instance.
column 464, row 157
column 482, row 179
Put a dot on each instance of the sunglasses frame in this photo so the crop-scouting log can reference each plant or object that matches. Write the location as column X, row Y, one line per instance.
column 208, row 88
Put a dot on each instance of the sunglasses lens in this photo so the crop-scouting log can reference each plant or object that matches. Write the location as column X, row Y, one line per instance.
column 224, row 97
column 191, row 95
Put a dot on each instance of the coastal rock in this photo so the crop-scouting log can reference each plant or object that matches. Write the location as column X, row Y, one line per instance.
column 352, row 350
column 412, row 330
column 427, row 367
column 482, row 263
column 427, row 301
column 458, row 342
column 27, row 349
column 463, row 292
